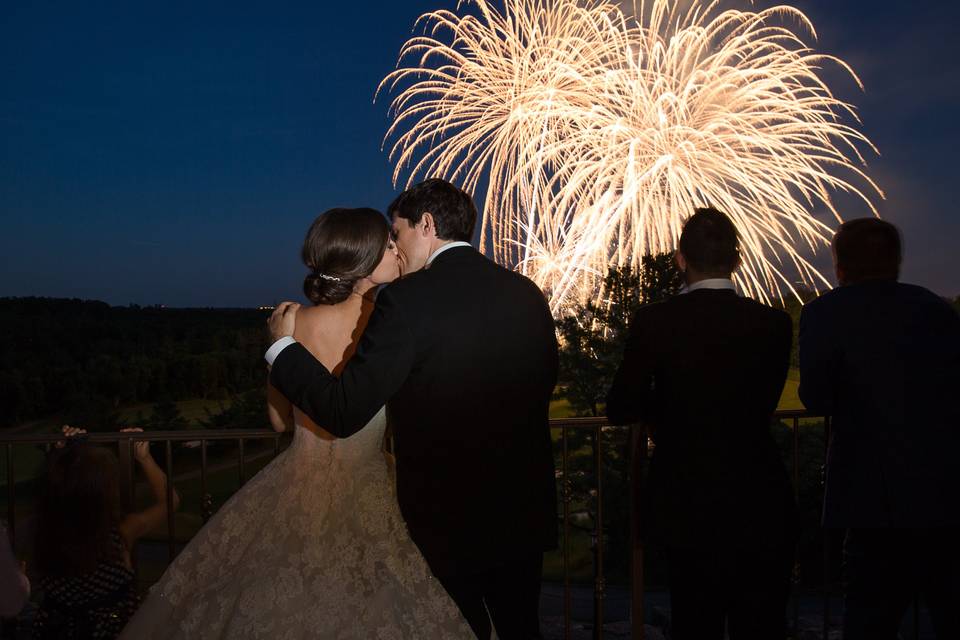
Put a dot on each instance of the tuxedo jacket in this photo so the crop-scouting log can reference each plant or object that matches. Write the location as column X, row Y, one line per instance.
column 883, row 358
column 704, row 370
column 464, row 355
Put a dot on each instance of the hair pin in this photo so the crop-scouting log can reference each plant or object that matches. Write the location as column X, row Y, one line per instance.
column 326, row 277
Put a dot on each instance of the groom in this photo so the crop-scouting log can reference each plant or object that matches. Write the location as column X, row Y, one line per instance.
column 464, row 354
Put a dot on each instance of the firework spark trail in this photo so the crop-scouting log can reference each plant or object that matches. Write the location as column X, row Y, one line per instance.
column 600, row 132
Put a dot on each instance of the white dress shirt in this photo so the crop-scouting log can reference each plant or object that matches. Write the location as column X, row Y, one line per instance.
column 710, row 283
column 277, row 347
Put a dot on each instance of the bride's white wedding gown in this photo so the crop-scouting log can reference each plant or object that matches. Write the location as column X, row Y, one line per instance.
column 313, row 546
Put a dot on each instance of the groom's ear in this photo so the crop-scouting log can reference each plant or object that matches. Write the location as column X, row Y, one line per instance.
column 429, row 224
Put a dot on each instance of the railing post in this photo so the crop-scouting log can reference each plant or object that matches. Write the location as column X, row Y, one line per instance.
column 206, row 500
column 566, row 496
column 240, row 461
column 638, row 457
column 128, row 489
column 796, row 551
column 171, row 523
column 599, row 582
column 11, row 499
column 826, row 534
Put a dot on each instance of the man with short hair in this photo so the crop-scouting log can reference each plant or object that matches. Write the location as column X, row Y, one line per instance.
column 464, row 354
column 704, row 371
column 883, row 358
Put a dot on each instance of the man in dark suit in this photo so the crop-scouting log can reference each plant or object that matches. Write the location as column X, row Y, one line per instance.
column 704, row 370
column 464, row 354
column 883, row 358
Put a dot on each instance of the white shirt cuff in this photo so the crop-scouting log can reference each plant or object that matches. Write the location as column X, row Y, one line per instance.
column 277, row 347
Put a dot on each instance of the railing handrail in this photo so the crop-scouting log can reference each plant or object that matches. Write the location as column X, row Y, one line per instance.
column 190, row 435
column 187, row 435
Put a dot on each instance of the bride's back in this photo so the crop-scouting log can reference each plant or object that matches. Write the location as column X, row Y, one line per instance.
column 331, row 334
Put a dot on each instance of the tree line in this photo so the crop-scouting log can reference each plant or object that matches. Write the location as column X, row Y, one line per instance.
column 82, row 360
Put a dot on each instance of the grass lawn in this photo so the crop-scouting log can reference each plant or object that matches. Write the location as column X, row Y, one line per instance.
column 789, row 399
column 193, row 411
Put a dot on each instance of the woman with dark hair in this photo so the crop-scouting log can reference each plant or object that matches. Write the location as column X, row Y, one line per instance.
column 83, row 541
column 314, row 546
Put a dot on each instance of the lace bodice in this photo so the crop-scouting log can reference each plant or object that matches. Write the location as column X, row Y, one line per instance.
column 364, row 445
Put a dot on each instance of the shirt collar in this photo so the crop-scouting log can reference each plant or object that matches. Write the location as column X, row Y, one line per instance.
column 433, row 256
column 711, row 283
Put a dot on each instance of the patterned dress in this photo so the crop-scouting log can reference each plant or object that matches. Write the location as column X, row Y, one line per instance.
column 93, row 606
column 313, row 546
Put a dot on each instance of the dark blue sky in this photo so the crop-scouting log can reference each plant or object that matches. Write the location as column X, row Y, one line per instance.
column 175, row 153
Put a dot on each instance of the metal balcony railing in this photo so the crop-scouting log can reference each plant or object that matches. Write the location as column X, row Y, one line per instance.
column 588, row 434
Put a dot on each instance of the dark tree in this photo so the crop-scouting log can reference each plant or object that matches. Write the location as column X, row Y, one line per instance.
column 593, row 335
column 92, row 412
column 165, row 416
column 246, row 411
column 81, row 361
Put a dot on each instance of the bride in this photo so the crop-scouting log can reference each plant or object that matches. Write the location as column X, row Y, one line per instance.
column 314, row 545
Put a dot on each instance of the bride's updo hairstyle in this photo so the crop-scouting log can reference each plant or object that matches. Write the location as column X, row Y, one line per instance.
column 342, row 246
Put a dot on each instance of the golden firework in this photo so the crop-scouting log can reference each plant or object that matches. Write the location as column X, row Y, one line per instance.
column 599, row 132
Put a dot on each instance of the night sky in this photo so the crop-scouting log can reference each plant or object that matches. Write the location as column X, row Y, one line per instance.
column 175, row 153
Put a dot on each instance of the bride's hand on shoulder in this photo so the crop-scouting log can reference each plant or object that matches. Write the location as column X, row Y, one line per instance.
column 283, row 320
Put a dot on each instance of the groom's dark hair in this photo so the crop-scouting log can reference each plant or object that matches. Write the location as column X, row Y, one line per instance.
column 453, row 210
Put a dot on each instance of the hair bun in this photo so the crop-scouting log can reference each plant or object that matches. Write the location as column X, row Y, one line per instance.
column 321, row 288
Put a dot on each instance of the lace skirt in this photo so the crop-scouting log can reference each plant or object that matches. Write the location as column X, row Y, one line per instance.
column 314, row 546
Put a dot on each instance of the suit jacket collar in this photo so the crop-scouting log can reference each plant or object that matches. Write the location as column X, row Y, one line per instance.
column 453, row 253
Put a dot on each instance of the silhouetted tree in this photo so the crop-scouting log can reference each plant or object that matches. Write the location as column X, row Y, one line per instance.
column 593, row 335
column 91, row 412
column 82, row 360
column 246, row 411
column 165, row 416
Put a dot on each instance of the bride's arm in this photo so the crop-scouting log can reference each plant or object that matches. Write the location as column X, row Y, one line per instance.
column 279, row 410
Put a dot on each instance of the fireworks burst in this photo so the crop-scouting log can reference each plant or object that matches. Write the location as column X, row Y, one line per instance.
column 599, row 133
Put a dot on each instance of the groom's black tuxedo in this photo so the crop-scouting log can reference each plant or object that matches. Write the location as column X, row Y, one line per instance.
column 705, row 371
column 464, row 355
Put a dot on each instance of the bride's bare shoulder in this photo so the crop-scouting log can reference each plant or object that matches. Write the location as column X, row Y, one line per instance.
column 323, row 330
column 311, row 322
column 309, row 317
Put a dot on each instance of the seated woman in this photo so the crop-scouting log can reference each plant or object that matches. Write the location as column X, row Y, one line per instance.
column 83, row 542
